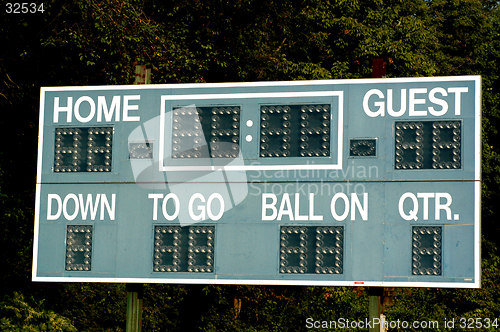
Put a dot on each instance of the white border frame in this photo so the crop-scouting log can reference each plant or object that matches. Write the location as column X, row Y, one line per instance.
column 476, row 78
column 477, row 186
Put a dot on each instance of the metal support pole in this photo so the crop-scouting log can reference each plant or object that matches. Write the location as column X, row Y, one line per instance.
column 375, row 308
column 134, row 307
column 136, row 291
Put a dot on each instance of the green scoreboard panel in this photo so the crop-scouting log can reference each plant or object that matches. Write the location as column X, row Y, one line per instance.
column 370, row 182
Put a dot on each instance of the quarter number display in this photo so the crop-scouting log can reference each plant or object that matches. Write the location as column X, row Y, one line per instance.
column 426, row 258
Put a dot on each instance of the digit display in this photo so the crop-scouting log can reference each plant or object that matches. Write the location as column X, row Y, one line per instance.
column 428, row 145
column 83, row 149
column 363, row 148
column 194, row 127
column 78, row 247
column 184, row 249
column 426, row 252
column 295, row 131
column 311, row 249
column 140, row 150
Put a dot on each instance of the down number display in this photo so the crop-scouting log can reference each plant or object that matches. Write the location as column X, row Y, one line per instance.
column 78, row 247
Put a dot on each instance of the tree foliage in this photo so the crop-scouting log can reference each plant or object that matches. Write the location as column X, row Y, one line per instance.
column 17, row 315
column 90, row 42
column 279, row 308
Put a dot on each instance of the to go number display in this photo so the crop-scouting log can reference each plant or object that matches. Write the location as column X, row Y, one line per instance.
column 184, row 249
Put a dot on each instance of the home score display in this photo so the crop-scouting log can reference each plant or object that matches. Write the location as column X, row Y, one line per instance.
column 370, row 182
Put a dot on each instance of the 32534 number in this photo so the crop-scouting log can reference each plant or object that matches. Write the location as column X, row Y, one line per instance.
column 478, row 323
column 23, row 8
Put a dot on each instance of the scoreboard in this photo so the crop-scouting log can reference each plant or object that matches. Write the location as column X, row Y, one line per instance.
column 371, row 182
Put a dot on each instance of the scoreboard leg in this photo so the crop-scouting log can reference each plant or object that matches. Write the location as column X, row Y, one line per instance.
column 134, row 307
column 375, row 308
